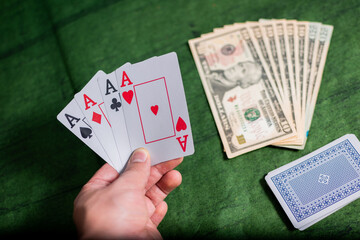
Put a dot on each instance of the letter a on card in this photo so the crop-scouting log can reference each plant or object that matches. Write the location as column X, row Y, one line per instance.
column 182, row 142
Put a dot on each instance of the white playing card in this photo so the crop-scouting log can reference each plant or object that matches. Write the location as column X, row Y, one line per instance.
column 91, row 104
column 155, row 108
column 74, row 120
column 113, row 106
column 320, row 183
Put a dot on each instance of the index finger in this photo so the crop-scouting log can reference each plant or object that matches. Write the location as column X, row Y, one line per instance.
column 158, row 170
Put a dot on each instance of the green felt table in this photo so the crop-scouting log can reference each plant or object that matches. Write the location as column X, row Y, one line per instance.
column 50, row 49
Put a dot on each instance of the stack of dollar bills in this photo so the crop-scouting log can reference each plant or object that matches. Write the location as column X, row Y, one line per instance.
column 262, row 80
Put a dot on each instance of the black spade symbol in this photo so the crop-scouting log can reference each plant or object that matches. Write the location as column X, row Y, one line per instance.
column 86, row 132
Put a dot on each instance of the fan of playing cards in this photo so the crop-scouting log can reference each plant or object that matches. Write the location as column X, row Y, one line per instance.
column 262, row 80
column 138, row 105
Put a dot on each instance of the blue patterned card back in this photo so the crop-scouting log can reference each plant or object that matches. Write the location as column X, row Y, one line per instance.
column 319, row 180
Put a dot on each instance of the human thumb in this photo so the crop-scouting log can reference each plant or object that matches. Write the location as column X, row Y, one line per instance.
column 137, row 171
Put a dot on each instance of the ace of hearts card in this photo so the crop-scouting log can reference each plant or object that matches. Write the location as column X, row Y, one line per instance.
column 155, row 108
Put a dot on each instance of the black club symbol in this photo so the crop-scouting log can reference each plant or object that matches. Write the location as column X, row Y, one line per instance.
column 115, row 104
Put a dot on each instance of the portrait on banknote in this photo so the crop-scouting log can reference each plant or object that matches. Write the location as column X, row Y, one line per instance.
column 243, row 74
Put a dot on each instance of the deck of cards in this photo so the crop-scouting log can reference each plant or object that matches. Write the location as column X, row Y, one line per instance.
column 137, row 105
column 320, row 183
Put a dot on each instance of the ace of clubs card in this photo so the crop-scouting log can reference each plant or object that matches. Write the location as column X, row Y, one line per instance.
column 114, row 109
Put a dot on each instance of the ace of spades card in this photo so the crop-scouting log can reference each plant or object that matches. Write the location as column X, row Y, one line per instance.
column 74, row 120
column 155, row 108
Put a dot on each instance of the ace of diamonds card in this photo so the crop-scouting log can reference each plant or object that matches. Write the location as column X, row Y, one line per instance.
column 155, row 108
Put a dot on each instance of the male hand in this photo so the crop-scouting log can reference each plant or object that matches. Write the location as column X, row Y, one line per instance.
column 127, row 206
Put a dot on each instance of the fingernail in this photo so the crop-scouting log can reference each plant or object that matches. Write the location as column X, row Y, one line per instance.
column 139, row 156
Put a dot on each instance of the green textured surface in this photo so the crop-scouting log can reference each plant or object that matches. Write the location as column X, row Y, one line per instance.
column 50, row 49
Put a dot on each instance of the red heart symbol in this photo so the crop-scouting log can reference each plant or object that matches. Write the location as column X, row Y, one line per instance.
column 154, row 109
column 180, row 125
column 128, row 96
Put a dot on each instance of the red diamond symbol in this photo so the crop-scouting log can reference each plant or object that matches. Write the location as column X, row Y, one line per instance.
column 96, row 117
